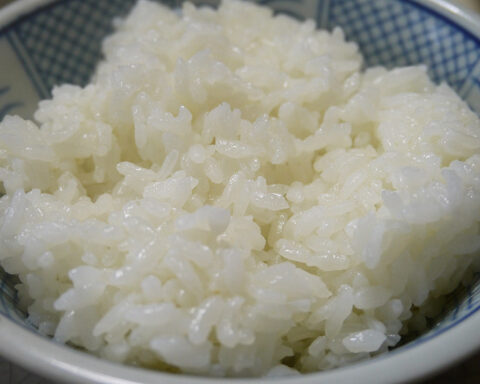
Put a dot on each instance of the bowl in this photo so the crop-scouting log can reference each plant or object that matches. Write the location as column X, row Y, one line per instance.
column 45, row 42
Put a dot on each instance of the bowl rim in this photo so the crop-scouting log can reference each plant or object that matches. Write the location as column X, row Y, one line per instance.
column 53, row 360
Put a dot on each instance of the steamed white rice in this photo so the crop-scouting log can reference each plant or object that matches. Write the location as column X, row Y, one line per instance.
column 232, row 195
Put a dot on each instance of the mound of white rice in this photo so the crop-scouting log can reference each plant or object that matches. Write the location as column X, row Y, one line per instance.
column 231, row 195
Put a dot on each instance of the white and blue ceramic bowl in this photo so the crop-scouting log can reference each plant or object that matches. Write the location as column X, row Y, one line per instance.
column 47, row 42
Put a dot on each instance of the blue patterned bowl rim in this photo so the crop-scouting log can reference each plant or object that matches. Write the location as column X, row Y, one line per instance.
column 49, row 359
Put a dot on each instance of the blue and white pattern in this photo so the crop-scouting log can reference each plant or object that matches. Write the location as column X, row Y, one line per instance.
column 64, row 41
column 399, row 33
column 61, row 42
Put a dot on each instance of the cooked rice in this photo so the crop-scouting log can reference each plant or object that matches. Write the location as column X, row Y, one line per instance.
column 232, row 195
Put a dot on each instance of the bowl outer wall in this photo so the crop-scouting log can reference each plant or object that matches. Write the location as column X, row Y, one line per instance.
column 64, row 364
column 68, row 365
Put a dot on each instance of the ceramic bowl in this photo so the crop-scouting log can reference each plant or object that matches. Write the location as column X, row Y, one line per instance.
column 44, row 43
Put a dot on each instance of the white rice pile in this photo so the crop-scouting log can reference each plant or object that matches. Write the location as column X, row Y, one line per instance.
column 231, row 195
